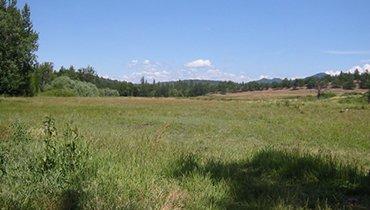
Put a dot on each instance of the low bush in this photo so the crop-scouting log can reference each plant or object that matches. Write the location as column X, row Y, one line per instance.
column 108, row 92
column 329, row 94
column 64, row 86
column 361, row 98
column 351, row 94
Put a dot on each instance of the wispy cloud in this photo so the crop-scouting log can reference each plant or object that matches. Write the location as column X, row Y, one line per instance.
column 148, row 69
column 197, row 69
column 264, row 77
column 361, row 69
column 204, row 69
column 200, row 63
column 347, row 52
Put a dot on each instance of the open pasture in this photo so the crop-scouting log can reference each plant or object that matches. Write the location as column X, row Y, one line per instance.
column 201, row 153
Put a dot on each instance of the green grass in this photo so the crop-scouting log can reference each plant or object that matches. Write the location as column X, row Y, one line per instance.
column 189, row 153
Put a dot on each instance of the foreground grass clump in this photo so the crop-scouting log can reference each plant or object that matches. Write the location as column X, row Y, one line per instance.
column 49, row 172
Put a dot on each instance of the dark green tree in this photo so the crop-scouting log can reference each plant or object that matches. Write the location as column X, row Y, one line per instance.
column 357, row 75
column 17, row 49
column 365, row 80
column 348, row 83
column 87, row 74
column 311, row 83
column 43, row 75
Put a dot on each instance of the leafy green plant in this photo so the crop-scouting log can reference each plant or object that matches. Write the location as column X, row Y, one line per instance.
column 327, row 94
column 51, row 172
column 354, row 99
column 20, row 133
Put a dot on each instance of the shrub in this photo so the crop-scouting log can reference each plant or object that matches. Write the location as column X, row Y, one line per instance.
column 62, row 82
column 108, row 92
column 60, row 93
column 327, row 95
column 64, row 86
column 86, row 89
column 354, row 98
column 367, row 96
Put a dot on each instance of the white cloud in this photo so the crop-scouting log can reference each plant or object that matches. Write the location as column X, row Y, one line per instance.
column 347, row 52
column 215, row 72
column 199, row 69
column 212, row 74
column 148, row 69
column 204, row 69
column 200, row 63
column 362, row 69
column 354, row 68
column 132, row 63
column 264, row 77
column 366, row 68
column 332, row 72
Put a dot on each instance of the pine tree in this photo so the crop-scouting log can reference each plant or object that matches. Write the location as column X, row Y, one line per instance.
column 357, row 75
column 365, row 80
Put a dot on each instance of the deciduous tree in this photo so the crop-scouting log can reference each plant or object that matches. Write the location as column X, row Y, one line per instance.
column 17, row 49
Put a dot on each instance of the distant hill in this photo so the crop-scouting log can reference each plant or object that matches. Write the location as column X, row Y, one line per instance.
column 268, row 81
column 196, row 81
column 261, row 81
column 318, row 76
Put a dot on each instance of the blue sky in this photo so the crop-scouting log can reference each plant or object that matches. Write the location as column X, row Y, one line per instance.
column 206, row 39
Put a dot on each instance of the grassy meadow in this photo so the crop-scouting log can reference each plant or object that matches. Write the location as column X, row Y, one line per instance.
column 210, row 152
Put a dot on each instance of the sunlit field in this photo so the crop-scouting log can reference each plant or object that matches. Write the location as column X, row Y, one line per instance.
column 211, row 152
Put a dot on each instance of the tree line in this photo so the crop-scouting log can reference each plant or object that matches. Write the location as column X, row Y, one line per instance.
column 45, row 75
column 22, row 75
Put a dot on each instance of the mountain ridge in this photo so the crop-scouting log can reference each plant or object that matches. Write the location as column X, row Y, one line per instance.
column 260, row 81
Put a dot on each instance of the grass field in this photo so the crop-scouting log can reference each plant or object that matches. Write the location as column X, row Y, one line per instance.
column 201, row 153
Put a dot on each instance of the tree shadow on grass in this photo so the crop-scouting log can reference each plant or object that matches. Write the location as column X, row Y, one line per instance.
column 70, row 199
column 272, row 178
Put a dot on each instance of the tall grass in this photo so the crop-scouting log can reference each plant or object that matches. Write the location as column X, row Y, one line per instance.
column 50, row 172
column 274, row 177
column 140, row 153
